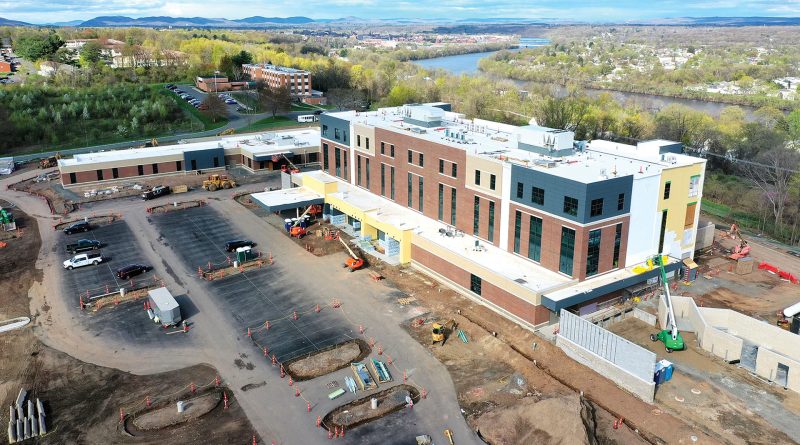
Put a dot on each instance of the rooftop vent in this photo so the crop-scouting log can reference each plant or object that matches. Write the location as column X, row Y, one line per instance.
column 521, row 281
column 418, row 130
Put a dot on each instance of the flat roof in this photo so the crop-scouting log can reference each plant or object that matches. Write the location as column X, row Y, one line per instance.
column 599, row 161
column 285, row 199
column 276, row 68
column 261, row 144
column 163, row 299
column 509, row 265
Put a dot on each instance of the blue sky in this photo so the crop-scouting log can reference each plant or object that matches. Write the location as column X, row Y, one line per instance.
column 43, row 11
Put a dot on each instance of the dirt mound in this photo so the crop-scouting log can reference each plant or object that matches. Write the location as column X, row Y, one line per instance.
column 327, row 360
column 549, row 421
column 169, row 415
column 359, row 412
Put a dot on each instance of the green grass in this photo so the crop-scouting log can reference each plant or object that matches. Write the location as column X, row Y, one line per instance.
column 725, row 212
column 271, row 123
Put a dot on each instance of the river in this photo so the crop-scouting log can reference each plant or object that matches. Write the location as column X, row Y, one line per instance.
column 468, row 64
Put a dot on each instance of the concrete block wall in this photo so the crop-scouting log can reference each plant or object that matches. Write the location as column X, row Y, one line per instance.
column 725, row 346
column 642, row 389
column 767, row 365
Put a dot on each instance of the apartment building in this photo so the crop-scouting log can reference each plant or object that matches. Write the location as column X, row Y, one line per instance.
column 254, row 152
column 522, row 219
column 297, row 81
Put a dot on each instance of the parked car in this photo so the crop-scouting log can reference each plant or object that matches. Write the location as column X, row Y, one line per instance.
column 318, row 112
column 131, row 270
column 83, row 245
column 84, row 259
column 155, row 192
column 81, row 226
column 230, row 102
column 232, row 245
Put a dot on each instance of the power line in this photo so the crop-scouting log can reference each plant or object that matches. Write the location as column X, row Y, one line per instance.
column 736, row 160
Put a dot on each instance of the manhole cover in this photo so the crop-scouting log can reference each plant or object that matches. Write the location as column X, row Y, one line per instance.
column 694, row 438
column 695, row 391
column 679, row 399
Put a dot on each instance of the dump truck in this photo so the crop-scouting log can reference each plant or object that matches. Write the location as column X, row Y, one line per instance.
column 164, row 309
column 216, row 182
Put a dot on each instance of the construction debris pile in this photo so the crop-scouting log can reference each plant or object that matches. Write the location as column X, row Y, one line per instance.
column 22, row 426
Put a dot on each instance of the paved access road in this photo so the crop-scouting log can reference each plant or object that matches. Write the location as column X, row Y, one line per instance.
column 217, row 337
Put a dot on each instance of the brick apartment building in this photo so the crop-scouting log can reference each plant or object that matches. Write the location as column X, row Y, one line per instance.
column 297, row 81
column 523, row 219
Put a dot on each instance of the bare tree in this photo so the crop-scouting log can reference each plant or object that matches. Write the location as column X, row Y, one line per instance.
column 274, row 100
column 346, row 98
column 214, row 107
column 772, row 174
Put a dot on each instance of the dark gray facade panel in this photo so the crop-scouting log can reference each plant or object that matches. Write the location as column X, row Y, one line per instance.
column 557, row 187
column 328, row 126
column 204, row 158
column 556, row 306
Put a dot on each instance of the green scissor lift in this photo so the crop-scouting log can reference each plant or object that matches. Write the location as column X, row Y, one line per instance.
column 670, row 337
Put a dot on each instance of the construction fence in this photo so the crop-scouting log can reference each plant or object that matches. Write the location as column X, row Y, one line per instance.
column 628, row 365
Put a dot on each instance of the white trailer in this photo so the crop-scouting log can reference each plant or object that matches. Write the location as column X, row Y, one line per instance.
column 165, row 309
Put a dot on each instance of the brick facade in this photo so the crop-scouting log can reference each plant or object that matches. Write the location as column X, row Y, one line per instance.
column 527, row 311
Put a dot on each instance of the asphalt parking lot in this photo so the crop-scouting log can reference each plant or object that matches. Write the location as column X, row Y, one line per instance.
column 251, row 298
column 126, row 322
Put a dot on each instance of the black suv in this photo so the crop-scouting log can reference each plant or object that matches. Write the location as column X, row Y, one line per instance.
column 131, row 270
column 155, row 192
column 232, row 245
column 82, row 226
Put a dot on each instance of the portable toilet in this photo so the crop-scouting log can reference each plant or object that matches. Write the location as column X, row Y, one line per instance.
column 165, row 308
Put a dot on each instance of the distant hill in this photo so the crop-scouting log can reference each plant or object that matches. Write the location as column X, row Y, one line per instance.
column 189, row 22
column 8, row 22
column 721, row 21
column 69, row 23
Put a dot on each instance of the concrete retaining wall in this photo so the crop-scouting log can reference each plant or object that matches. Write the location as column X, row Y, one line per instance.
column 627, row 364
column 625, row 380
column 646, row 317
column 722, row 344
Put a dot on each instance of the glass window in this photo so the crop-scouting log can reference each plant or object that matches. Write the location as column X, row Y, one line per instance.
column 337, row 155
column 367, row 141
column 593, row 253
column 475, row 284
column 453, row 206
column 490, row 237
column 596, row 208
column 663, row 231
column 520, row 190
column 617, row 242
column 492, row 181
column 535, row 239
column 410, row 156
column 421, row 160
column 155, row 169
column 324, row 130
column 621, row 201
column 694, row 186
column 517, row 229
column 366, row 166
column 391, row 150
column 567, row 250
column 441, row 165
column 115, row 172
column 570, row 206
column 410, row 192
column 358, row 170
column 441, row 202
column 391, row 183
column 178, row 165
column 667, row 188
column 336, row 133
column 421, row 193
column 99, row 175
column 383, row 147
column 476, row 216
column 140, row 168
column 537, row 195
column 324, row 157
column 477, row 177
column 358, row 140
column 455, row 170
column 383, row 179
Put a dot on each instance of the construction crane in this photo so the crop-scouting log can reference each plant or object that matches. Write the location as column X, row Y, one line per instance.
column 670, row 337
column 295, row 230
column 354, row 262
column 292, row 168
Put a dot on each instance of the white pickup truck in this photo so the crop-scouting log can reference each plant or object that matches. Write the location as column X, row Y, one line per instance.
column 84, row 259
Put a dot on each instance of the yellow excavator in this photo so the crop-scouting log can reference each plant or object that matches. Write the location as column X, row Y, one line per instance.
column 441, row 330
